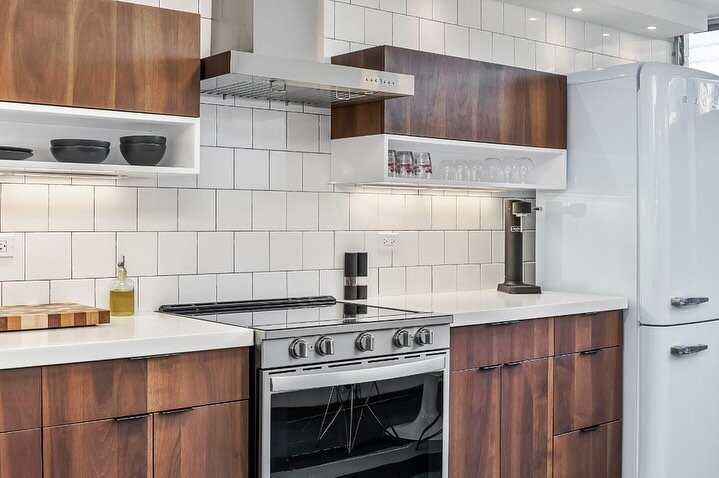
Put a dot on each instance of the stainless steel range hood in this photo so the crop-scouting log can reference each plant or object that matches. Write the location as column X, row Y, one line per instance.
column 273, row 49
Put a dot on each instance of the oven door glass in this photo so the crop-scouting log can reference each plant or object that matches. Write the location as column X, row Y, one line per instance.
column 370, row 421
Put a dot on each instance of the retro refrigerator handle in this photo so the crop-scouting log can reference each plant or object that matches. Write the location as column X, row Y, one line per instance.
column 680, row 350
column 688, row 301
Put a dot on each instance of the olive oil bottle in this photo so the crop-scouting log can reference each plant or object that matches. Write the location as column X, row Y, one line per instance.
column 122, row 292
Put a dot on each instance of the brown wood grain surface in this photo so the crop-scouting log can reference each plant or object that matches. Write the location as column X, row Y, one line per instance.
column 577, row 333
column 198, row 378
column 526, row 429
column 21, row 454
column 101, row 449
column 20, row 399
column 100, row 54
column 209, row 441
column 50, row 316
column 474, row 424
column 479, row 345
column 460, row 99
column 591, row 454
column 587, row 389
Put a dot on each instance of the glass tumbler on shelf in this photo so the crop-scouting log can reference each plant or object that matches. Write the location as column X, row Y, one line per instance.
column 391, row 163
column 446, row 169
column 461, row 170
column 507, row 166
column 475, row 171
column 525, row 168
column 404, row 162
column 494, row 171
column 424, row 165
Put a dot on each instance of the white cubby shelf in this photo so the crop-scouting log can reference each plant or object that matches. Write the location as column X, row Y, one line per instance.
column 33, row 126
column 362, row 160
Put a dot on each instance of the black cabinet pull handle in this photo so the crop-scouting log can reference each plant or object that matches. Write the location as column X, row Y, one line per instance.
column 507, row 322
column 179, row 410
column 589, row 352
column 514, row 364
column 489, row 367
column 132, row 417
column 148, row 357
column 591, row 313
column 589, row 429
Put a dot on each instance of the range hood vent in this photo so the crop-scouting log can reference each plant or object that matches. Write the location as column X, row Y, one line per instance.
column 251, row 75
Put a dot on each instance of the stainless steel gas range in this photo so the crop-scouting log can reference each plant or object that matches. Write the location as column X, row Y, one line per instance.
column 344, row 390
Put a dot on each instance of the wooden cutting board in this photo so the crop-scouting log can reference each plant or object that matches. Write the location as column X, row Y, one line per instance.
column 50, row 316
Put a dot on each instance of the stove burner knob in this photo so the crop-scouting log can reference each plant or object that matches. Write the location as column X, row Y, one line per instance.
column 325, row 346
column 403, row 339
column 365, row 343
column 299, row 349
column 424, row 337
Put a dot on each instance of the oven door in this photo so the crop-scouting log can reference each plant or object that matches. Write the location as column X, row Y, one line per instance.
column 356, row 420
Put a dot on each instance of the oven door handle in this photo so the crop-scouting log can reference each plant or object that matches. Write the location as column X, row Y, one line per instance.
column 308, row 381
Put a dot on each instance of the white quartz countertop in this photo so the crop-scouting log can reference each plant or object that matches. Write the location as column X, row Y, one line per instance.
column 143, row 334
column 487, row 306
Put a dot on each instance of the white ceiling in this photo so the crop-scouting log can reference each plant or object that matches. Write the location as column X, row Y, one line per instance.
column 671, row 17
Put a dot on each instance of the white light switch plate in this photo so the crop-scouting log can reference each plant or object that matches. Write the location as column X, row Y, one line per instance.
column 7, row 245
column 388, row 240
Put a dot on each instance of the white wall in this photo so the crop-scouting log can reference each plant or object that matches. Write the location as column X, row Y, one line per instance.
column 261, row 220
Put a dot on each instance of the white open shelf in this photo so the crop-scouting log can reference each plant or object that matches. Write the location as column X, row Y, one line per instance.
column 33, row 126
column 362, row 160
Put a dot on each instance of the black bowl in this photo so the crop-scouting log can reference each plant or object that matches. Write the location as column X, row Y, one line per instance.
column 80, row 154
column 143, row 154
column 11, row 152
column 80, row 142
column 144, row 139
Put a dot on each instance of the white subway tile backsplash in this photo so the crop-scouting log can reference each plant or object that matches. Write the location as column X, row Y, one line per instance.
column 480, row 45
column 302, row 211
column 25, row 293
column 77, row 291
column 215, row 252
column 234, row 127
column 468, row 277
column 196, row 210
column 115, row 209
column 480, row 247
column 269, row 210
column 269, row 129
column 334, row 47
column 234, row 287
column 431, row 36
column 405, row 31
column 528, row 240
column 420, row 8
column 456, row 41
column 575, row 33
column 593, row 40
column 13, row 268
column 445, row 10
column 216, row 168
column 525, row 53
column 456, row 247
column 431, row 248
column 513, row 20
column 627, row 45
column 140, row 251
column 392, row 212
column 303, row 283
column 334, row 211
column 190, row 6
column 419, row 280
column 349, row 22
column 285, row 251
column 303, row 132
column 492, row 16
column 316, row 172
column 177, row 253
column 556, row 29
column 491, row 275
column 565, row 60
column 269, row 285
column 234, row 210
column 70, row 208
column 325, row 134
column 610, row 41
column 378, row 27
column 643, row 49
column 197, row 289
column 502, row 49
column 331, row 283
column 407, row 253
column 364, row 211
column 418, row 212
column 208, row 125
column 444, row 279
column 392, row 281
column 24, row 207
column 285, row 171
column 536, row 25
column 469, row 13
column 252, row 169
column 93, row 254
column 252, row 251
column 347, row 241
column 546, row 57
column 157, row 291
column 396, row 6
column 377, row 255
column 491, row 213
column 48, row 255
column 660, row 51
column 444, row 212
column 497, row 246
column 156, row 209
column 318, row 250
column 329, row 18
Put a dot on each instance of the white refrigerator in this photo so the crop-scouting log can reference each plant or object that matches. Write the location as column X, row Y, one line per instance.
column 640, row 218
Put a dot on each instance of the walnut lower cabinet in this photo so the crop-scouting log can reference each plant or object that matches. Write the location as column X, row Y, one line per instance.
column 180, row 415
column 552, row 411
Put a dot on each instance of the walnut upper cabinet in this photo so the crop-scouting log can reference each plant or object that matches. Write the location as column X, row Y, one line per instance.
column 459, row 99
column 100, row 54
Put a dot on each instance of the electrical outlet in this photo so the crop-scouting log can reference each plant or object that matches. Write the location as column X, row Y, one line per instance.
column 7, row 245
column 388, row 240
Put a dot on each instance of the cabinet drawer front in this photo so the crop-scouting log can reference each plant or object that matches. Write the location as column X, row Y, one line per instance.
column 93, row 391
column 21, row 454
column 198, row 378
column 220, row 430
column 587, row 389
column 20, row 399
column 576, row 333
column 589, row 454
column 105, row 448
column 480, row 345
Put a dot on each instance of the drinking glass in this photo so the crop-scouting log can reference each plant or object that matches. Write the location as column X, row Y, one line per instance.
column 446, row 170
column 461, row 170
column 507, row 166
column 405, row 168
column 475, row 171
column 391, row 163
column 526, row 170
column 424, row 165
column 493, row 171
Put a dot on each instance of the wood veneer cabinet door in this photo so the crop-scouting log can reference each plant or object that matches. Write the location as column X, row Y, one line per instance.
column 479, row 345
column 58, row 52
column 21, row 454
column 526, row 420
column 474, row 424
column 198, row 378
column 595, row 453
column 93, row 391
column 587, row 389
column 158, row 67
column 20, row 401
column 577, row 333
column 209, row 442
column 102, row 449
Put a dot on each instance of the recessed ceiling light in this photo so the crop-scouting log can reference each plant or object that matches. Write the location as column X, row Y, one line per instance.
column 532, row 19
column 651, row 27
column 577, row 9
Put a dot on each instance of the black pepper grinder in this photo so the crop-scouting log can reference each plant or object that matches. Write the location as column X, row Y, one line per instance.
column 514, row 211
column 355, row 282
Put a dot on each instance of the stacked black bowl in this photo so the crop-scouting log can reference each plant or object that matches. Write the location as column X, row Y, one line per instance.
column 87, row 151
column 143, row 150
